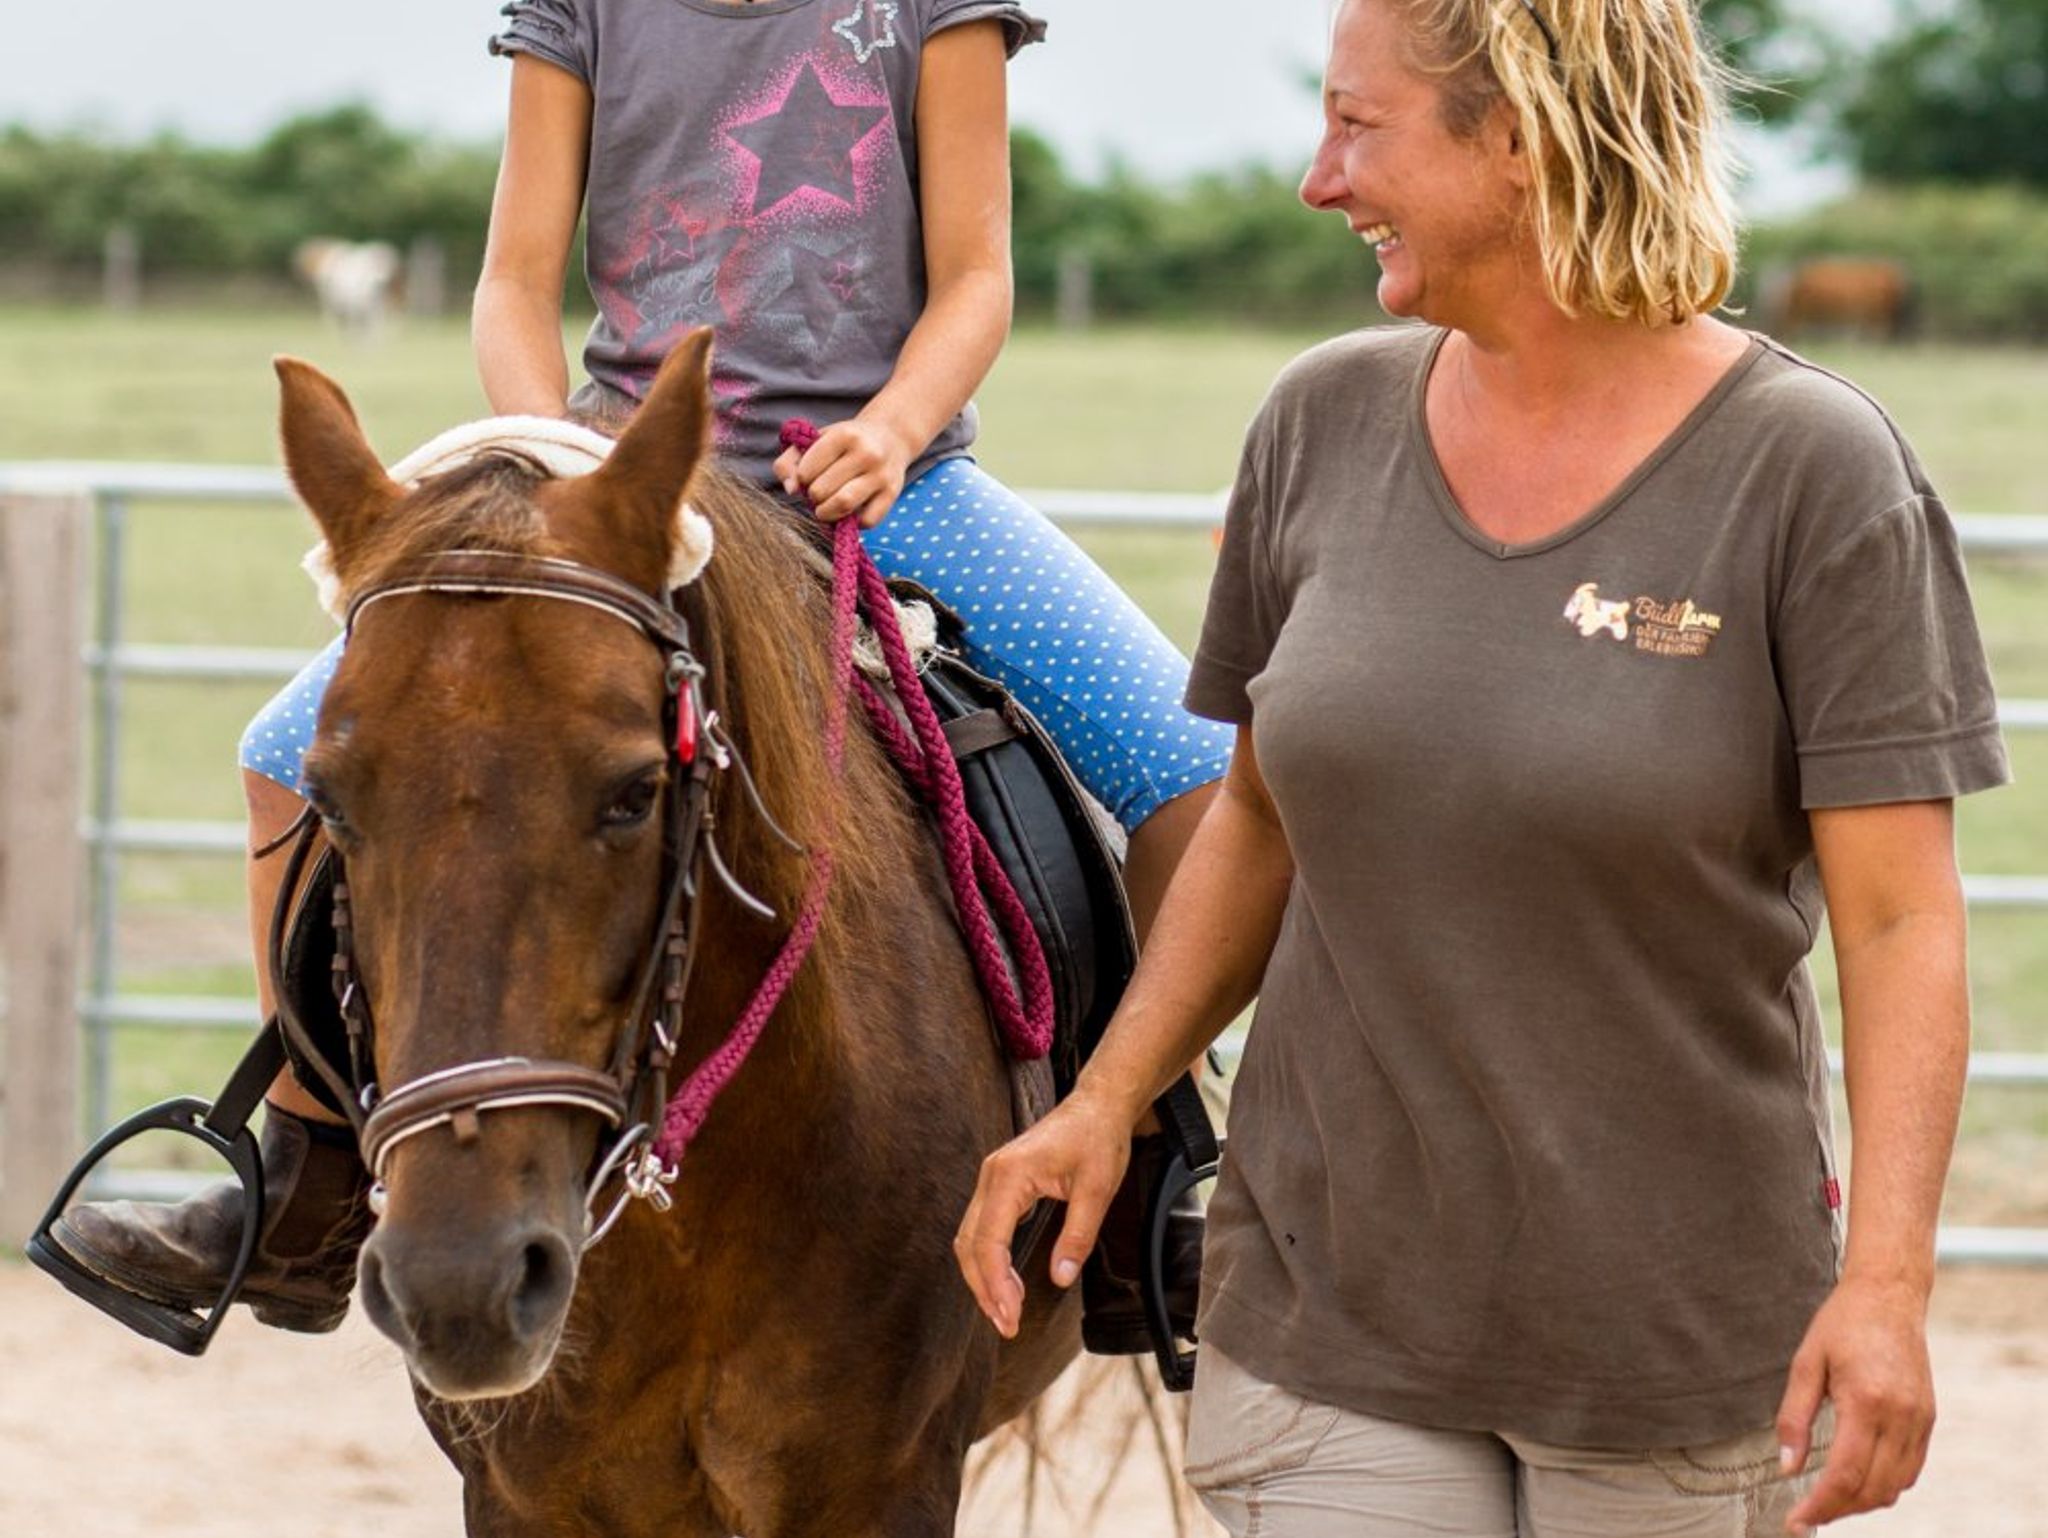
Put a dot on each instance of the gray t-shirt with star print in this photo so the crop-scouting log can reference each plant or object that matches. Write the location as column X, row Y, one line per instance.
column 753, row 168
column 1531, row 1133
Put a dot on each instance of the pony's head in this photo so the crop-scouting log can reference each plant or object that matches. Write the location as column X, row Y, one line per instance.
column 493, row 771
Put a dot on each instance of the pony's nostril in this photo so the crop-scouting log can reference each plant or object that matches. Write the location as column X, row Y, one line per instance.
column 546, row 1273
column 373, row 1288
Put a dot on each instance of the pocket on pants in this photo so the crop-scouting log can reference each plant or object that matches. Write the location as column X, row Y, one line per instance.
column 1242, row 1428
column 1738, row 1464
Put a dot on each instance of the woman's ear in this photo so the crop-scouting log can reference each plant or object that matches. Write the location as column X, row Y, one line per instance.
column 1513, row 147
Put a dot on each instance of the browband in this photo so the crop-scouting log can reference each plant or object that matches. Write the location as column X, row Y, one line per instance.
column 502, row 573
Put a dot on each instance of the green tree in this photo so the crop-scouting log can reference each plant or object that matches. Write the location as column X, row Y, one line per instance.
column 60, row 196
column 1962, row 96
column 1047, row 216
column 1782, row 56
column 330, row 173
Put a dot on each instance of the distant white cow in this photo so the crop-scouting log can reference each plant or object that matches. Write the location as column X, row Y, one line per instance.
column 353, row 281
column 1593, row 614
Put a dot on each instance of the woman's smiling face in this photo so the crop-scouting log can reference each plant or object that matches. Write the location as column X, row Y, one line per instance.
column 1441, row 213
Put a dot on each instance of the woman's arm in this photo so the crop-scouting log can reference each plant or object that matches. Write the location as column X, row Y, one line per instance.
column 1207, row 954
column 856, row 468
column 516, row 320
column 1895, row 907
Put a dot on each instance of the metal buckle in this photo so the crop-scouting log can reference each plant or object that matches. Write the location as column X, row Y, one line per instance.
column 646, row 1179
column 186, row 1329
column 1176, row 1366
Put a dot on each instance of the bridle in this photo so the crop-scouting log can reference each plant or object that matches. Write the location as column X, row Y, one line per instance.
column 630, row 1092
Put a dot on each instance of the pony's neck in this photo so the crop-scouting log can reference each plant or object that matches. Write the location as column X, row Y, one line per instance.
column 775, row 686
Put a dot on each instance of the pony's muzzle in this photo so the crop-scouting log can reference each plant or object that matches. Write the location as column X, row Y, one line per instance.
column 477, row 1318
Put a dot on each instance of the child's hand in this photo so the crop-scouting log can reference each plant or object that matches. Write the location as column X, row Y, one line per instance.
column 854, row 470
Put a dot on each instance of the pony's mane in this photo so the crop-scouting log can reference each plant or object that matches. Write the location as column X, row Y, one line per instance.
column 772, row 617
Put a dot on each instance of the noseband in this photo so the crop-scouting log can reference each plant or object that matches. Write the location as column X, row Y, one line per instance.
column 629, row 1094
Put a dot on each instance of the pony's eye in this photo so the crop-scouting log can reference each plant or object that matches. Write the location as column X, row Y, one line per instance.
column 325, row 808
column 635, row 804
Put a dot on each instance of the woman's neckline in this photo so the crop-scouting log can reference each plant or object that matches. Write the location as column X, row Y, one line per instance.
column 1447, row 503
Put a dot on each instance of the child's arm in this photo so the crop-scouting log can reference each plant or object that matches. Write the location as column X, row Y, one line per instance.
column 963, row 148
column 516, row 320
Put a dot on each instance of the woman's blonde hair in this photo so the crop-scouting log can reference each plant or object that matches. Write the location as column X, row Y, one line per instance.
column 1622, row 109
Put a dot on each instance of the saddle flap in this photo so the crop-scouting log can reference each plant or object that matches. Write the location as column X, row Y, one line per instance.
column 306, row 975
column 1052, row 843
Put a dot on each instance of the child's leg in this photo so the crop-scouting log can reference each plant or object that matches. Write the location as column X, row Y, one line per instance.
column 1067, row 641
column 273, row 748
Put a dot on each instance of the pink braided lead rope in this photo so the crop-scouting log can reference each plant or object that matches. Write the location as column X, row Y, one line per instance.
column 974, row 873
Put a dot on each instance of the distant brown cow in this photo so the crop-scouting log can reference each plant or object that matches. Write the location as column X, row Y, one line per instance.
column 1865, row 296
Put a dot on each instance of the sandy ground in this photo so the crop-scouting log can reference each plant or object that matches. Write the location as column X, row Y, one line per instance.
column 106, row 1435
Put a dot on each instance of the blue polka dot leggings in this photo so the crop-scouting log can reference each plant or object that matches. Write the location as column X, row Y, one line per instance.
column 1042, row 618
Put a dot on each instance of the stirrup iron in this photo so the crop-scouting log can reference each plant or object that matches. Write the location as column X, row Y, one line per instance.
column 223, row 1127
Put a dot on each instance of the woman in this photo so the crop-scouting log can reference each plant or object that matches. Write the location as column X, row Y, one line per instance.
column 1579, row 646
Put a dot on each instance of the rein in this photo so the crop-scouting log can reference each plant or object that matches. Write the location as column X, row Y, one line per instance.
column 631, row 1094
column 976, row 876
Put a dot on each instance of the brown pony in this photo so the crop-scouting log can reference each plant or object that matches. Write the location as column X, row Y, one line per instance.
column 1860, row 295
column 789, row 1350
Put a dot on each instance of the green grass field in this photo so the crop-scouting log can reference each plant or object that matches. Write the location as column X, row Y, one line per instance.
column 1149, row 410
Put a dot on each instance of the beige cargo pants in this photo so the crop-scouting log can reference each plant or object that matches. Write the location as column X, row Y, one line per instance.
column 1269, row 1464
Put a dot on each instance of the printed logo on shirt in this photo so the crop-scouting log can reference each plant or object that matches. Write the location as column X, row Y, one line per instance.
column 871, row 28
column 1679, row 628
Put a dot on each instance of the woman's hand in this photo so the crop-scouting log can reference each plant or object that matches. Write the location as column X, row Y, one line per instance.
column 854, row 470
column 1077, row 1156
column 1866, row 1350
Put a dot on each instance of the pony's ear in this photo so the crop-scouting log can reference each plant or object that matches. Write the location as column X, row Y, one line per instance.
column 330, row 463
column 628, row 510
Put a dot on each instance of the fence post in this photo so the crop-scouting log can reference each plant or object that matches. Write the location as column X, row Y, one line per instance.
column 42, row 592
column 121, row 279
column 1074, row 306
column 426, row 277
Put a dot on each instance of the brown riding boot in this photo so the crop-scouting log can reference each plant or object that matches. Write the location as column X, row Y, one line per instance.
column 1112, row 1296
column 316, row 1215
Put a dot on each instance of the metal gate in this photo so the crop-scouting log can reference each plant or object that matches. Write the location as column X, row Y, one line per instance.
column 105, row 495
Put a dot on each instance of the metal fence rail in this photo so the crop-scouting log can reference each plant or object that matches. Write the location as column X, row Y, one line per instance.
column 110, row 659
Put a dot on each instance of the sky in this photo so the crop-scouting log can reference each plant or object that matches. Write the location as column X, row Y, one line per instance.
column 1220, row 82
column 1170, row 86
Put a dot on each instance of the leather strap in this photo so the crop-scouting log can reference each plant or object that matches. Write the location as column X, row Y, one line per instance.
column 284, row 914
column 978, row 731
column 253, row 1075
column 1185, row 1120
column 489, row 572
column 457, row 1097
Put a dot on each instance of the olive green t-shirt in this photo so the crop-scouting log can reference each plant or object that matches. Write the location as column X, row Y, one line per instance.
column 1531, row 1132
